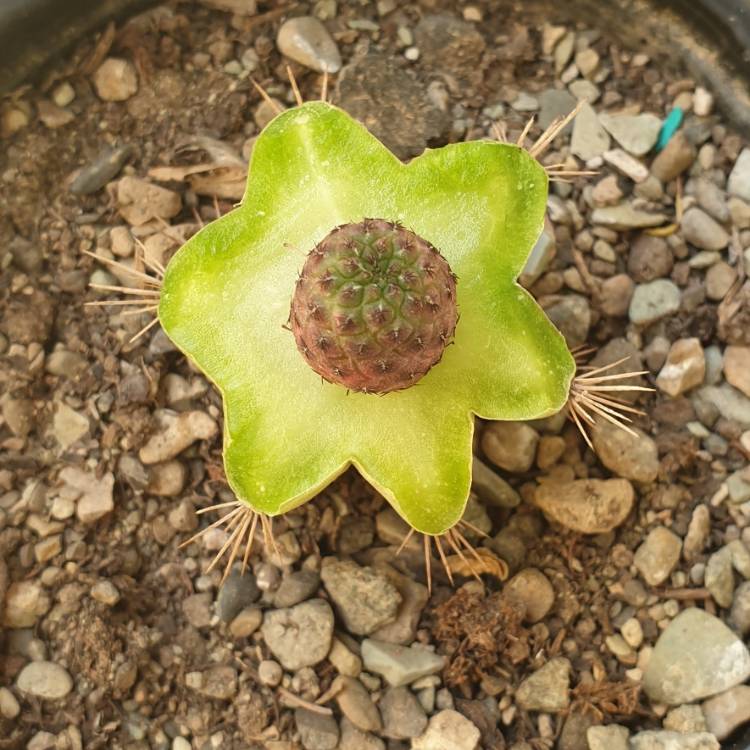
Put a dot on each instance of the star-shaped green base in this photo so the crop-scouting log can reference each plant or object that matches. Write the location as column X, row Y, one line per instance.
column 226, row 296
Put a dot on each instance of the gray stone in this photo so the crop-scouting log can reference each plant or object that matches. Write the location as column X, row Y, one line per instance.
column 510, row 445
column 629, row 166
column 299, row 636
column 547, row 688
column 610, row 737
column 699, row 229
column 448, row 730
column 491, row 487
column 653, row 301
column 697, row 533
column 355, row 739
column 400, row 665
column 727, row 711
column 45, row 680
column 316, row 731
column 730, row 403
column 711, row 198
column 403, row 715
column 739, row 616
column 539, row 258
column 571, row 314
column 739, row 178
column 238, row 592
column 625, row 216
column 650, row 258
column 305, row 40
column 719, row 578
column 633, row 457
column 660, row 740
column 296, row 587
column 589, row 138
column 414, row 598
column 104, row 168
column 637, row 134
column 583, row 89
column 364, row 597
column 697, row 656
column 555, row 103
column 588, row 506
column 658, row 555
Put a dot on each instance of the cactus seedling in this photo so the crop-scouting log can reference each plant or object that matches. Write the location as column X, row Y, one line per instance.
column 325, row 308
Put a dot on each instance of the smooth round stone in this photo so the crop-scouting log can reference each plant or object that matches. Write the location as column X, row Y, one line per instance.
column 306, row 41
column 532, row 588
column 44, row 679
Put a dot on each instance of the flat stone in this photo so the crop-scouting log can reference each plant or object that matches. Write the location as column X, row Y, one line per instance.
column 653, row 301
column 588, row 506
column 589, row 138
column 677, row 156
column 355, row 703
column 95, row 496
column 296, row 587
column 364, row 597
column 633, row 457
column 739, row 178
column 305, row 40
column 175, row 432
column 45, row 680
column 219, row 683
column 105, row 166
column 399, row 665
column 739, row 616
column 719, row 577
column 730, row 403
column 68, row 426
column 246, row 622
column 610, row 737
column 637, row 134
column 510, row 445
column 625, row 216
column 353, row 738
column 658, row 555
column 737, row 367
column 491, row 487
column 448, row 730
column 684, row 369
column 316, row 731
column 727, row 711
column 299, row 636
column 239, row 591
column 571, row 314
column 699, row 229
column 711, row 198
column 697, row 533
column 661, row 740
column 403, row 715
column 627, row 165
column 720, row 278
column 115, row 80
column 697, row 656
column 414, row 598
column 139, row 201
column 555, row 103
column 547, row 689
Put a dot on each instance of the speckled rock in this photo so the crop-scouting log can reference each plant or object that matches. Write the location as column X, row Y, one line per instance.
column 697, row 656
column 588, row 506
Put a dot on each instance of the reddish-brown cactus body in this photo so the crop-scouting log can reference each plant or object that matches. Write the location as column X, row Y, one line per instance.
column 374, row 307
